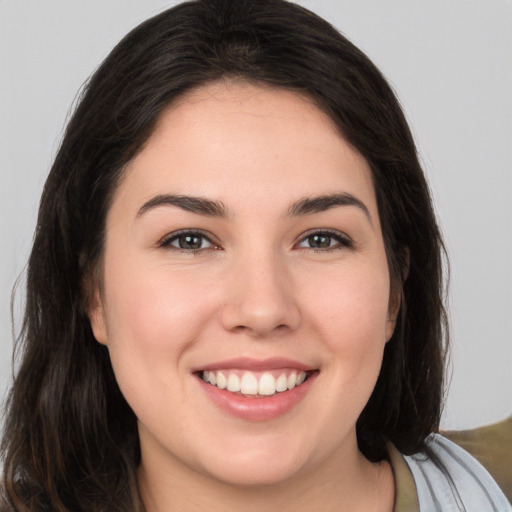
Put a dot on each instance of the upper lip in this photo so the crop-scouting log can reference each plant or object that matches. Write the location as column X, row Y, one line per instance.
column 250, row 364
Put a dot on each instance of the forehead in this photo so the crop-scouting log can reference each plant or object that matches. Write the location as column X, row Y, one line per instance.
column 230, row 139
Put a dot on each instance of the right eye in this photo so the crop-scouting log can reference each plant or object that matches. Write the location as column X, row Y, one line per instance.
column 188, row 241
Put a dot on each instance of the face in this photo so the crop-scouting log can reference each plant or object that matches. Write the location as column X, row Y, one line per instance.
column 245, row 290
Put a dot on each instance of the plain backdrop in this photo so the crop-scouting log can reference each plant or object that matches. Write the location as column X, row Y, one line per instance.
column 450, row 63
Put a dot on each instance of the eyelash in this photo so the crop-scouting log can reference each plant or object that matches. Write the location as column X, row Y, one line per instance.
column 343, row 241
column 166, row 242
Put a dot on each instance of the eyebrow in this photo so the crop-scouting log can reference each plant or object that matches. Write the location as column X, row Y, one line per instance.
column 210, row 208
column 323, row 203
column 198, row 205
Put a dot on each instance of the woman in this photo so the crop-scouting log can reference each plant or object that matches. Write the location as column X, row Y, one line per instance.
column 235, row 290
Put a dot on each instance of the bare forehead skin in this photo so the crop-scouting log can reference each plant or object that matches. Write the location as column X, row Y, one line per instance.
column 253, row 100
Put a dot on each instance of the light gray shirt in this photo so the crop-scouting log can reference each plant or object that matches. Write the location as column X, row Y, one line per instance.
column 449, row 479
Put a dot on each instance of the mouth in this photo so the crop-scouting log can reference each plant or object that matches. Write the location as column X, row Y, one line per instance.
column 255, row 384
column 256, row 390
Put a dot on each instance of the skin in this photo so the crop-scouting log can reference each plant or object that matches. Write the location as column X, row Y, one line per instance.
column 258, row 289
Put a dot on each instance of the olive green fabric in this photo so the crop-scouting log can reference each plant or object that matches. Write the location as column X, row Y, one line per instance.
column 490, row 445
column 406, row 498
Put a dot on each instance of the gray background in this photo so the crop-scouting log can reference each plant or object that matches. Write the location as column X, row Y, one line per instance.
column 451, row 65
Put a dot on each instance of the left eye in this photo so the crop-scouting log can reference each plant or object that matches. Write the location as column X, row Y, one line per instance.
column 188, row 241
column 324, row 240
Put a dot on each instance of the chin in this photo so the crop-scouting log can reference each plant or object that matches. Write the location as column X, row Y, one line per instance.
column 251, row 470
column 251, row 476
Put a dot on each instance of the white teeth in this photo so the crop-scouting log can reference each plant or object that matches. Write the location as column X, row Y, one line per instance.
column 221, row 381
column 281, row 383
column 233, row 383
column 267, row 385
column 249, row 384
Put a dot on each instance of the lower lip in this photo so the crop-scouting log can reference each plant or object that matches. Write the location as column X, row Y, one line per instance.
column 257, row 408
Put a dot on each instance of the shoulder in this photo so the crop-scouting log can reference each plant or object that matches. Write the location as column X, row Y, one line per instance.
column 492, row 447
column 448, row 478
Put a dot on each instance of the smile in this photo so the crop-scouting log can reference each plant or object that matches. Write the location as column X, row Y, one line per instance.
column 256, row 390
column 250, row 383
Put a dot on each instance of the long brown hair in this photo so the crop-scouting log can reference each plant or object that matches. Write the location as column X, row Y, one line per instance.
column 70, row 439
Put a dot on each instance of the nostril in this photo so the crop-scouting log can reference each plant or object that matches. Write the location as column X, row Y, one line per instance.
column 260, row 310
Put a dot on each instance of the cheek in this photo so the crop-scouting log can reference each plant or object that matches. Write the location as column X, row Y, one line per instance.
column 154, row 307
column 351, row 318
column 153, row 316
column 353, row 304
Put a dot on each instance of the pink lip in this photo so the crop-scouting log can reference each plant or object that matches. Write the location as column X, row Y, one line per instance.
column 257, row 408
column 247, row 363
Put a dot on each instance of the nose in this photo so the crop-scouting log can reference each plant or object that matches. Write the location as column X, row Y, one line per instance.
column 260, row 299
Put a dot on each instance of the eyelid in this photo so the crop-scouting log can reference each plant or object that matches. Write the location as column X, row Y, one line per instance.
column 169, row 237
column 344, row 241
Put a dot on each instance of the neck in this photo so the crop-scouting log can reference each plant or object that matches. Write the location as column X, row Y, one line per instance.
column 351, row 483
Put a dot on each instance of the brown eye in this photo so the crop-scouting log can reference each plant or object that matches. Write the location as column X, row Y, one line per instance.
column 319, row 241
column 188, row 241
column 325, row 240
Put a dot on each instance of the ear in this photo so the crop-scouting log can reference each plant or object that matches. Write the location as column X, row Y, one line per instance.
column 96, row 314
column 396, row 295
column 395, row 302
